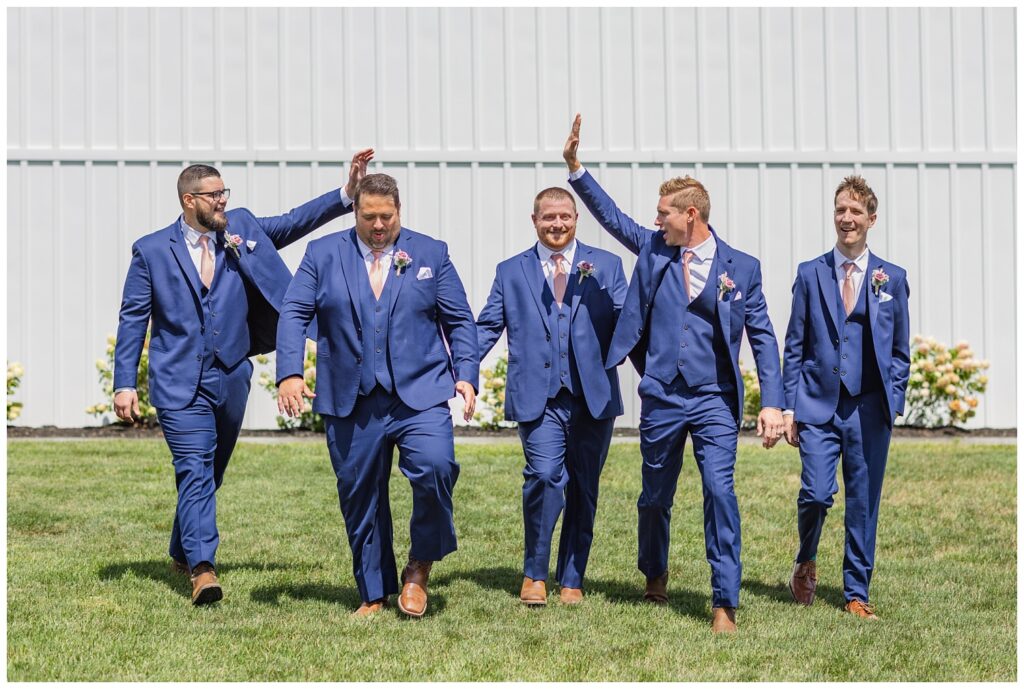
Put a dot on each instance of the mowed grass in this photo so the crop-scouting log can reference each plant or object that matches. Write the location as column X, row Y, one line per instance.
column 91, row 597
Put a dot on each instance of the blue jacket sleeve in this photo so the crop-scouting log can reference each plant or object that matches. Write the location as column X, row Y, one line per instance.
column 794, row 354
column 619, row 225
column 300, row 221
column 900, row 371
column 457, row 323
column 491, row 322
column 761, row 335
column 619, row 287
column 297, row 311
column 133, row 321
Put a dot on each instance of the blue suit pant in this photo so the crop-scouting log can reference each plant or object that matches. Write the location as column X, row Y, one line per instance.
column 565, row 449
column 668, row 412
column 361, row 446
column 859, row 432
column 201, row 438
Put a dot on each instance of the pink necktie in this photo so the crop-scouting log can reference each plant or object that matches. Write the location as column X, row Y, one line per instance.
column 206, row 262
column 377, row 274
column 849, row 297
column 687, row 257
column 560, row 278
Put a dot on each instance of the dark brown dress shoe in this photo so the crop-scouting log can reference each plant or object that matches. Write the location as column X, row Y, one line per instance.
column 861, row 609
column 570, row 596
column 413, row 599
column 179, row 567
column 803, row 582
column 373, row 607
column 723, row 620
column 205, row 587
column 534, row 592
column 657, row 590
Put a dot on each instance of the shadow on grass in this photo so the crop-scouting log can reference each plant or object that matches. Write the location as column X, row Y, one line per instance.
column 160, row 571
column 345, row 596
column 507, row 580
column 779, row 591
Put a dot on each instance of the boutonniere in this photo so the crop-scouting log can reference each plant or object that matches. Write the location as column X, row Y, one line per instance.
column 725, row 286
column 233, row 241
column 402, row 261
column 586, row 269
column 878, row 280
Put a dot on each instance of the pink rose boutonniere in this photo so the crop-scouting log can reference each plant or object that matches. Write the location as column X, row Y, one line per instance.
column 878, row 280
column 402, row 261
column 233, row 241
column 586, row 269
column 725, row 286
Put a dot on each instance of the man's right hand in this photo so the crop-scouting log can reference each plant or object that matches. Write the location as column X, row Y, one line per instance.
column 571, row 146
column 790, row 430
column 290, row 393
column 126, row 403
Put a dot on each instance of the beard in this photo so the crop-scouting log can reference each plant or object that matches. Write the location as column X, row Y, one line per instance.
column 212, row 219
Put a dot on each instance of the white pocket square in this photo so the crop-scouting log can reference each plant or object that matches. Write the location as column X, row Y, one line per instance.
column 250, row 244
column 425, row 273
column 738, row 295
column 884, row 297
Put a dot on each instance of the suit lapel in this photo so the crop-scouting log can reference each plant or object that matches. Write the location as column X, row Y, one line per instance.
column 530, row 262
column 180, row 251
column 583, row 253
column 827, row 283
column 873, row 299
column 399, row 276
column 660, row 259
column 722, row 263
column 351, row 263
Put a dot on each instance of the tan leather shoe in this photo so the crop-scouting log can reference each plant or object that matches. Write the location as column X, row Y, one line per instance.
column 371, row 608
column 533, row 592
column 657, row 590
column 179, row 567
column 861, row 609
column 723, row 620
column 570, row 596
column 205, row 587
column 803, row 582
column 413, row 599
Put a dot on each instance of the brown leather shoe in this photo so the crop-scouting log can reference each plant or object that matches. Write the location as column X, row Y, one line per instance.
column 861, row 609
column 803, row 582
column 657, row 590
column 205, row 587
column 533, row 592
column 374, row 606
column 179, row 567
column 413, row 599
column 723, row 620
column 570, row 596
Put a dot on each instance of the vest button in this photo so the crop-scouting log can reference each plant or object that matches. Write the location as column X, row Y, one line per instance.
column 835, row 369
column 563, row 355
column 843, row 373
column 686, row 327
column 199, row 357
column 216, row 332
column 378, row 350
column 378, row 329
column 680, row 362
column 202, row 330
column 548, row 337
column 359, row 360
column 564, row 336
column 639, row 331
column 844, row 356
column 846, row 339
column 547, row 364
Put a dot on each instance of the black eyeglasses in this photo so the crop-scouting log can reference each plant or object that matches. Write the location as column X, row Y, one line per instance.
column 215, row 195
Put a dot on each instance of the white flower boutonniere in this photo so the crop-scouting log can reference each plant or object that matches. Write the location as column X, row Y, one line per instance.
column 233, row 241
column 402, row 261
column 879, row 280
column 725, row 286
column 586, row 269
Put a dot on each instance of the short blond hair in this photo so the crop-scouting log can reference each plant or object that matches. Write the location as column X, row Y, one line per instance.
column 686, row 192
column 858, row 189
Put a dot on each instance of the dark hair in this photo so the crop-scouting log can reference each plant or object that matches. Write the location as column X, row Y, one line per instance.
column 378, row 184
column 858, row 188
column 553, row 193
column 189, row 178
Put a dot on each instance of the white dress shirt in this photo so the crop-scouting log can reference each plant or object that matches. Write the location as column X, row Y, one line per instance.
column 385, row 258
column 195, row 247
column 859, row 270
column 547, row 264
column 700, row 264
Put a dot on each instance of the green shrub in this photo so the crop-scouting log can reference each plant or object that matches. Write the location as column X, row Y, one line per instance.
column 308, row 420
column 105, row 367
column 14, row 375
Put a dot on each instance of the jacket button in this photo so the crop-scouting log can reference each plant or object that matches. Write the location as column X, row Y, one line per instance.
column 639, row 331
column 202, row 330
column 199, row 357
column 836, row 343
column 835, row 369
column 547, row 364
column 548, row 337
column 359, row 360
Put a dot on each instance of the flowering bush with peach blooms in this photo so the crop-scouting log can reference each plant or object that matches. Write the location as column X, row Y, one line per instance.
column 491, row 401
column 944, row 384
column 308, row 420
column 14, row 374
column 105, row 367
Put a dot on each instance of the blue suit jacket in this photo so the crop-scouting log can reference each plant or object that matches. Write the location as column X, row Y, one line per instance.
column 515, row 303
column 745, row 307
column 163, row 285
column 428, row 316
column 812, row 339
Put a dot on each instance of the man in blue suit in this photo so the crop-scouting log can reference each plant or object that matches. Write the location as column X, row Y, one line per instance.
column 390, row 307
column 689, row 300
column 845, row 374
column 211, row 284
column 559, row 301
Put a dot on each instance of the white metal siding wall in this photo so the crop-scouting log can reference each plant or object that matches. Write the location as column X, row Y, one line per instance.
column 469, row 108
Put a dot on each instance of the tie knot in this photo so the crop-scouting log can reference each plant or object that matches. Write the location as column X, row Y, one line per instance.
column 377, row 253
column 848, row 267
column 687, row 256
column 204, row 240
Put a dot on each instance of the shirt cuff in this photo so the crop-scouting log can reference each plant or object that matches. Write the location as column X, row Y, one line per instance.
column 788, row 412
column 573, row 176
column 345, row 200
column 124, row 390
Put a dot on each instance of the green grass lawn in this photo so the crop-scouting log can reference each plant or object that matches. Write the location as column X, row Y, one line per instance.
column 90, row 595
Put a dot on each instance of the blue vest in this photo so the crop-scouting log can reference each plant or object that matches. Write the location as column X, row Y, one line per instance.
column 858, row 367
column 687, row 340
column 563, row 373
column 222, row 294
column 375, row 320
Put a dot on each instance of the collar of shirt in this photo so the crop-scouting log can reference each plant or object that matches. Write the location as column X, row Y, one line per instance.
column 192, row 235
column 861, row 263
column 568, row 253
column 367, row 252
column 705, row 251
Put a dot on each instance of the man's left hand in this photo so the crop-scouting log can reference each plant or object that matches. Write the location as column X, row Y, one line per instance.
column 357, row 170
column 770, row 426
column 469, row 396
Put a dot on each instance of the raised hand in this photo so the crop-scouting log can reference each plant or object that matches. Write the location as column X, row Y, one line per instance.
column 572, row 144
column 357, row 170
